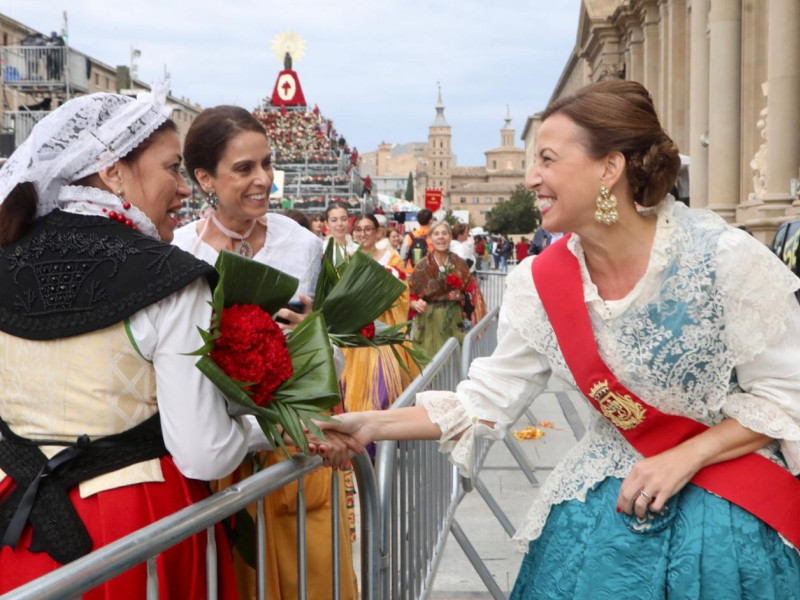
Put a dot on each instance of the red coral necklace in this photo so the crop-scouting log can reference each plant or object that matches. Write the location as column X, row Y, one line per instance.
column 244, row 248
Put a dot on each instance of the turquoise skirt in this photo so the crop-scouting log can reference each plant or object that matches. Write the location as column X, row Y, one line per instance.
column 704, row 547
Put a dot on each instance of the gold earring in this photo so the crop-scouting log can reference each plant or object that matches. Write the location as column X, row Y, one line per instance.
column 606, row 212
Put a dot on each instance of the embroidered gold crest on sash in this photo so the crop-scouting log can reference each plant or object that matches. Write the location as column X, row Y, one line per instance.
column 622, row 411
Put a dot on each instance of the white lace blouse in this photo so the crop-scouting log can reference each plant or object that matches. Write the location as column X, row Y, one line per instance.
column 712, row 330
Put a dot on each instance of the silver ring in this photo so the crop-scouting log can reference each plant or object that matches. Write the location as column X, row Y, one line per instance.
column 644, row 495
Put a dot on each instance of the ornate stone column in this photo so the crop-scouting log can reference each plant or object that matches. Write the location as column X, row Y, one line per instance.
column 698, row 105
column 783, row 99
column 652, row 49
column 665, row 83
column 636, row 72
column 677, row 90
column 724, row 123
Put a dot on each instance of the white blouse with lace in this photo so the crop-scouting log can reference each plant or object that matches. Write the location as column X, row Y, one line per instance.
column 204, row 441
column 712, row 330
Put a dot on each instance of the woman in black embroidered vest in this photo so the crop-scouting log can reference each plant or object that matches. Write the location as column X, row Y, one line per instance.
column 682, row 334
column 97, row 311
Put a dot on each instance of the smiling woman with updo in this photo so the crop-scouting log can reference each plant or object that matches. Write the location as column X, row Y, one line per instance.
column 681, row 334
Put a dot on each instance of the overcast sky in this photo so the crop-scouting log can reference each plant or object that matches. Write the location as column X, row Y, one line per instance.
column 371, row 66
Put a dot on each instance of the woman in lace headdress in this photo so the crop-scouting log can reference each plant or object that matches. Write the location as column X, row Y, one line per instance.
column 228, row 155
column 681, row 331
column 100, row 406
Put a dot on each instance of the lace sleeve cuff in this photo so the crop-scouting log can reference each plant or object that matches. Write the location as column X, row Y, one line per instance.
column 459, row 431
column 762, row 416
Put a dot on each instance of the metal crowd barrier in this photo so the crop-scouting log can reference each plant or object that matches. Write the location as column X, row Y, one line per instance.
column 406, row 505
column 493, row 285
column 145, row 544
column 481, row 341
column 417, row 489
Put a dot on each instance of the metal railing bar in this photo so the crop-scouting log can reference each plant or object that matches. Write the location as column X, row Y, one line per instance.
column 302, row 572
column 261, row 551
column 337, row 543
column 516, row 451
column 498, row 512
column 211, row 564
column 477, row 563
column 370, row 528
column 152, row 579
column 571, row 415
column 103, row 564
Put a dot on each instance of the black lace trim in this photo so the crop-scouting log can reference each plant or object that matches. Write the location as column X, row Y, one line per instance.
column 71, row 274
column 41, row 498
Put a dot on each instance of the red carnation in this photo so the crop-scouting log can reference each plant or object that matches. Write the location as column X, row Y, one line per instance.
column 368, row 331
column 252, row 348
column 454, row 281
column 396, row 272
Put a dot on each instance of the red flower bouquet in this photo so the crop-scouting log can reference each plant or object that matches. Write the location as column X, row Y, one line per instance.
column 454, row 281
column 252, row 348
column 284, row 381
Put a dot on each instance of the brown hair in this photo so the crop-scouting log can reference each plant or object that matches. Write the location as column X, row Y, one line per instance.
column 297, row 216
column 368, row 217
column 210, row 133
column 333, row 206
column 458, row 229
column 18, row 210
column 619, row 116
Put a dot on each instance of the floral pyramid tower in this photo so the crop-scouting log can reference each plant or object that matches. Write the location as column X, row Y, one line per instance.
column 318, row 165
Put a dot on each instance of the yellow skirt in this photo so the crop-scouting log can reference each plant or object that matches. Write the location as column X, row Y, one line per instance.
column 280, row 511
column 373, row 379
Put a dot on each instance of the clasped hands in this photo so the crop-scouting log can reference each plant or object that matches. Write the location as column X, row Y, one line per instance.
column 344, row 438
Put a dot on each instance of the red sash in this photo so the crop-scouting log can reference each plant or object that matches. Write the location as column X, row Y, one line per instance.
column 752, row 482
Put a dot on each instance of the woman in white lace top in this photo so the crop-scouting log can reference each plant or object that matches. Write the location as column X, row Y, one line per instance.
column 696, row 319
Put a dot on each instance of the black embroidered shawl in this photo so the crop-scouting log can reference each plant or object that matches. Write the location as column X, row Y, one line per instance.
column 72, row 274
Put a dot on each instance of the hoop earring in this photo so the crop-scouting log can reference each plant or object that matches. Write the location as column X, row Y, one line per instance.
column 606, row 212
column 212, row 200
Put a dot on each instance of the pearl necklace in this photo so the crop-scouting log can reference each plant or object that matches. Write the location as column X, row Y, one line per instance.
column 244, row 248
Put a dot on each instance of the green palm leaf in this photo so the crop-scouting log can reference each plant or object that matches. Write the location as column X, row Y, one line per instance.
column 252, row 283
column 364, row 292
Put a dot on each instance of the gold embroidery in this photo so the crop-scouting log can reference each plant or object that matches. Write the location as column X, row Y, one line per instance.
column 622, row 411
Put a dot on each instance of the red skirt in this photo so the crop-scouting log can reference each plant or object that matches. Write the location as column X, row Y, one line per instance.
column 115, row 513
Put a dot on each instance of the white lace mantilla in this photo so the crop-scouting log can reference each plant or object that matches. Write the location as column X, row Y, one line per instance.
column 693, row 338
column 80, row 138
column 83, row 200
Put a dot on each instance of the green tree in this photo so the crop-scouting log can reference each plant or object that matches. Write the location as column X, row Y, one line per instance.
column 450, row 218
column 410, row 187
column 398, row 194
column 518, row 215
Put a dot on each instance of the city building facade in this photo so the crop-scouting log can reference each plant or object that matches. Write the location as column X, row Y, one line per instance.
column 41, row 72
column 475, row 189
column 725, row 80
